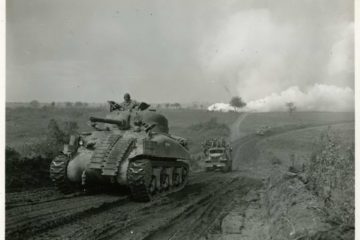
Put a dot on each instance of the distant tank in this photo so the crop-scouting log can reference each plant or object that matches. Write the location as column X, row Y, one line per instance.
column 133, row 149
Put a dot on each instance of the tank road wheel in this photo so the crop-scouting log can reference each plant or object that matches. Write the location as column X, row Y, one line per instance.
column 58, row 174
column 176, row 177
column 164, row 181
column 152, row 185
column 141, row 182
column 184, row 175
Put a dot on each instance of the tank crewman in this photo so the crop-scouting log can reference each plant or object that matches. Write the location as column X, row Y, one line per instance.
column 223, row 142
column 128, row 103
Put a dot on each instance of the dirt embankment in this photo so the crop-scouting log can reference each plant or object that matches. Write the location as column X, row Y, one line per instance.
column 294, row 212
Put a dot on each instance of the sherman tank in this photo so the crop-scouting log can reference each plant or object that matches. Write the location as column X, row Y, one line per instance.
column 130, row 148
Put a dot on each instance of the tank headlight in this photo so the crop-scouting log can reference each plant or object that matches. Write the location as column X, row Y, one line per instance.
column 81, row 142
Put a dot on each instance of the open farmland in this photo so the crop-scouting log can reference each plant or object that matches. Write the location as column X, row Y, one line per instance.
column 272, row 194
column 28, row 125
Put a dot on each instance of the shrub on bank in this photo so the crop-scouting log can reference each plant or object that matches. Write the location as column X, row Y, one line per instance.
column 332, row 177
column 22, row 173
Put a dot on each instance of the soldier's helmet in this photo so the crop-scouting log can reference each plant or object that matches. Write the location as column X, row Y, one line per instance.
column 127, row 97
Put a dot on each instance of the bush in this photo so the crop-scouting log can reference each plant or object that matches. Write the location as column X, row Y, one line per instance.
column 25, row 173
column 274, row 160
column 332, row 177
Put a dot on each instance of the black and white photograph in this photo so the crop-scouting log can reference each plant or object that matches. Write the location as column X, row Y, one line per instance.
column 179, row 119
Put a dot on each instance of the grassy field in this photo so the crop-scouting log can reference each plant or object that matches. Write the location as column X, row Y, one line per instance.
column 301, row 144
column 28, row 125
column 279, row 119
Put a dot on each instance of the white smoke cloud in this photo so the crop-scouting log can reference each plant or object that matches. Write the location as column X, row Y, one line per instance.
column 317, row 98
column 251, row 50
column 269, row 62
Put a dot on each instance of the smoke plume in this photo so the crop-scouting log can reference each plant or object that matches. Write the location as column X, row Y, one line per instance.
column 317, row 98
column 271, row 59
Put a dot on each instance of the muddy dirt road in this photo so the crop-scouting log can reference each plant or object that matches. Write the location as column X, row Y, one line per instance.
column 189, row 213
column 44, row 213
column 196, row 212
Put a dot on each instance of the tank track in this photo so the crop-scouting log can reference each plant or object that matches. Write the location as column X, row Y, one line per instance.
column 102, row 151
column 58, row 174
column 117, row 154
column 145, row 183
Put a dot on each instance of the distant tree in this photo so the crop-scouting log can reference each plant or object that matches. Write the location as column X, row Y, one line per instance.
column 290, row 107
column 68, row 104
column 78, row 104
column 52, row 104
column 195, row 106
column 177, row 105
column 237, row 102
column 34, row 104
column 85, row 104
column 167, row 105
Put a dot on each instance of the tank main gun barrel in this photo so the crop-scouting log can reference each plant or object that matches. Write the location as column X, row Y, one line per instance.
column 104, row 120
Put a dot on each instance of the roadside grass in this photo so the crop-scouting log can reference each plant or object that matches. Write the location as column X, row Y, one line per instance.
column 323, row 159
column 331, row 174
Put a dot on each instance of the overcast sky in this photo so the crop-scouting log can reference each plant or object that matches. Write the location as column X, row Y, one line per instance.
column 183, row 51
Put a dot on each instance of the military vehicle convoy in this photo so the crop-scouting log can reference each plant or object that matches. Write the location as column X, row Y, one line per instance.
column 131, row 148
column 217, row 155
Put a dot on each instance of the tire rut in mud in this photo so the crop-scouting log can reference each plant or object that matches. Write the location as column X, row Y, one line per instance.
column 32, row 197
column 132, row 220
column 200, row 218
column 26, row 221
